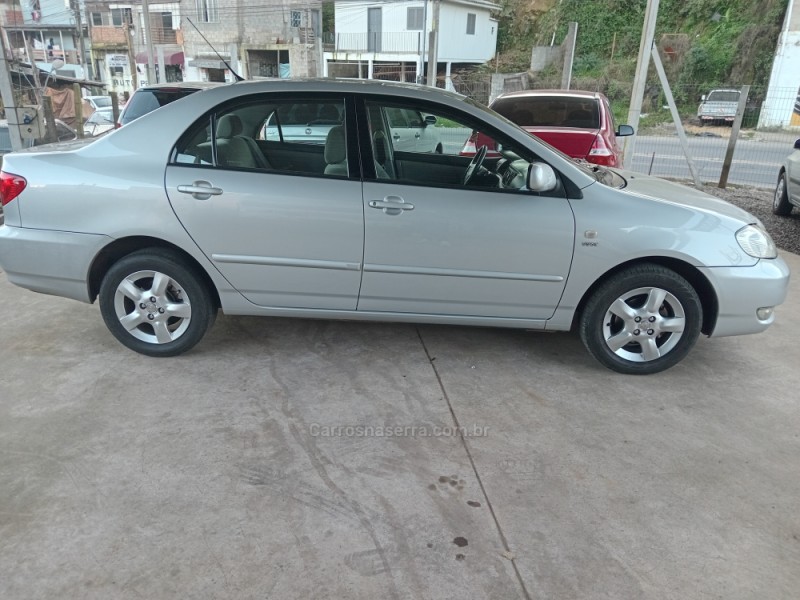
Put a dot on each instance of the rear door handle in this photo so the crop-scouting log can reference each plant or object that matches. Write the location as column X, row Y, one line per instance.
column 200, row 190
column 392, row 205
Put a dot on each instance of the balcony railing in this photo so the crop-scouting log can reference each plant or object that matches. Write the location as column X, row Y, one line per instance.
column 401, row 42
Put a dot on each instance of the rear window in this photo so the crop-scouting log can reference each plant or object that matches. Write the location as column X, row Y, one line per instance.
column 102, row 101
column 550, row 111
column 145, row 101
column 723, row 97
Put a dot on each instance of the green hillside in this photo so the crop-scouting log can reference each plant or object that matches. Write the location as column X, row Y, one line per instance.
column 707, row 43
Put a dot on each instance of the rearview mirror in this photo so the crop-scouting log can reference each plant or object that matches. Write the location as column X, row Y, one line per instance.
column 541, row 178
column 624, row 130
column 797, row 144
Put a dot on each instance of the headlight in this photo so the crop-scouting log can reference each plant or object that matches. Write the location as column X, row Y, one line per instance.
column 756, row 242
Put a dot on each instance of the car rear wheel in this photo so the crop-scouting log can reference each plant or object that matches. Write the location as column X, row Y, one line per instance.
column 780, row 202
column 154, row 304
column 642, row 320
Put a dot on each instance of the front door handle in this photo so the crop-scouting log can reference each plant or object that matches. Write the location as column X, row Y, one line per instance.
column 392, row 205
column 200, row 190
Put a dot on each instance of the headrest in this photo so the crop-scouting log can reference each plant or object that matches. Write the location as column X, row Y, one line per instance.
column 229, row 126
column 335, row 146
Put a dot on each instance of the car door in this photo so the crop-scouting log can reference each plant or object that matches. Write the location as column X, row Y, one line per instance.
column 285, row 233
column 793, row 175
column 436, row 246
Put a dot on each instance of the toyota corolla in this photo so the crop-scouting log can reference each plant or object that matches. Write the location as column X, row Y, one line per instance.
column 193, row 208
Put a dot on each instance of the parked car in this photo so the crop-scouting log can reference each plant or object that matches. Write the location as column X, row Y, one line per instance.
column 580, row 124
column 98, row 102
column 65, row 133
column 150, row 97
column 718, row 107
column 787, row 192
column 101, row 121
column 214, row 217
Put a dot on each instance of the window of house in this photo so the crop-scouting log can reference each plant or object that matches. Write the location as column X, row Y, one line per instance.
column 414, row 19
column 268, row 63
column 97, row 19
column 470, row 23
column 296, row 18
column 207, row 11
column 120, row 16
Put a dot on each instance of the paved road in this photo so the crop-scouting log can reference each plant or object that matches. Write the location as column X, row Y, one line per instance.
column 237, row 470
column 755, row 162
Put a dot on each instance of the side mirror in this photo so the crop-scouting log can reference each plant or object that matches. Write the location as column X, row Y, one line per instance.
column 624, row 130
column 797, row 144
column 430, row 120
column 703, row 98
column 541, row 178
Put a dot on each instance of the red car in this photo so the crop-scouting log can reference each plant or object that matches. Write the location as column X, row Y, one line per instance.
column 578, row 123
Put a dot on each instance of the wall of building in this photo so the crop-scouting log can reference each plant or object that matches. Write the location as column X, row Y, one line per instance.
column 456, row 45
column 784, row 81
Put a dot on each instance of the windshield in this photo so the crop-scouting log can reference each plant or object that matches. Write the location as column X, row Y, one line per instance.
column 719, row 96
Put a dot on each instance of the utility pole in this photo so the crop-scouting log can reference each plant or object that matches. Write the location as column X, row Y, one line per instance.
column 433, row 52
column 640, row 79
column 421, row 74
column 7, row 92
column 151, row 72
column 76, row 6
column 569, row 55
column 131, row 56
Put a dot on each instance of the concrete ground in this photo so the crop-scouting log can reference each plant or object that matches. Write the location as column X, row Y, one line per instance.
column 241, row 471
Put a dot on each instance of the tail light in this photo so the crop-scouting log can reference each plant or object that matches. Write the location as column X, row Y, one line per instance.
column 11, row 186
column 601, row 154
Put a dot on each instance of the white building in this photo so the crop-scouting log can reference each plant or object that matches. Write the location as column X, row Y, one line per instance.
column 782, row 105
column 390, row 39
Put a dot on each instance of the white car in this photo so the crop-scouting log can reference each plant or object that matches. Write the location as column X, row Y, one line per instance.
column 787, row 192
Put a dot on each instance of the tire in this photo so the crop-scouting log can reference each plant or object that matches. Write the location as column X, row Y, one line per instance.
column 439, row 149
column 780, row 201
column 618, row 312
column 155, row 304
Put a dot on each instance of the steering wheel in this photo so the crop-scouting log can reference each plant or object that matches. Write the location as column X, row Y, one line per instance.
column 475, row 164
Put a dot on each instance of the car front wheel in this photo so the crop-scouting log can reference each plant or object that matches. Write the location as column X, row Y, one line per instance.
column 642, row 320
column 154, row 304
column 780, row 202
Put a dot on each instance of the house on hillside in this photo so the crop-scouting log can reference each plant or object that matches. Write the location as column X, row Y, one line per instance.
column 390, row 40
column 119, row 50
column 39, row 31
column 265, row 40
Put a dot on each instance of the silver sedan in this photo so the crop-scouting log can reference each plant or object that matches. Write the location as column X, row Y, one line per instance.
column 194, row 208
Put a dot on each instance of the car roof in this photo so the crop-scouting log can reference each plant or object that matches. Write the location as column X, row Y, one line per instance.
column 563, row 93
